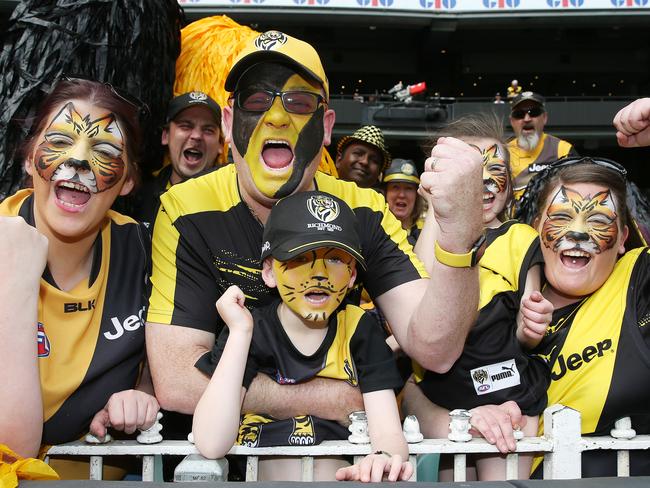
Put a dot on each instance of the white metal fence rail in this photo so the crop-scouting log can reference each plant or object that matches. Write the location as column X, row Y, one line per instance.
column 561, row 445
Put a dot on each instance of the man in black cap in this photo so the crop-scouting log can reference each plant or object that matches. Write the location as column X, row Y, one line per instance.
column 531, row 149
column 194, row 142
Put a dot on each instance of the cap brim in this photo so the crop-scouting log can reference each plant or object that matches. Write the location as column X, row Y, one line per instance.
column 298, row 248
column 529, row 99
column 401, row 178
column 257, row 57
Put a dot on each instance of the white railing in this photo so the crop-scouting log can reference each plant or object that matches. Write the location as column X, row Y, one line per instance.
column 561, row 445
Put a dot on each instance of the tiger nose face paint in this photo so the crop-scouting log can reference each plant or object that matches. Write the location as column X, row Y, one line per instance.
column 495, row 175
column 277, row 146
column 84, row 151
column 314, row 283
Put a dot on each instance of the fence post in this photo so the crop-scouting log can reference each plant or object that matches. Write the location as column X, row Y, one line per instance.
column 562, row 428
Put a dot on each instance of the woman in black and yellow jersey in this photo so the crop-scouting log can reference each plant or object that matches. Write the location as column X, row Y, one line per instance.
column 598, row 278
column 74, row 279
column 494, row 367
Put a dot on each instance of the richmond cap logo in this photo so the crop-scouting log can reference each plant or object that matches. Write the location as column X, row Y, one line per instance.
column 406, row 169
column 324, row 208
column 198, row 96
column 270, row 40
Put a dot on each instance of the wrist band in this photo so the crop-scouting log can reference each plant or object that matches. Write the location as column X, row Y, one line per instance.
column 464, row 260
column 382, row 452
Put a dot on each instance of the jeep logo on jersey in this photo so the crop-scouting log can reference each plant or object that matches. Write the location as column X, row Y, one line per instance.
column 43, row 342
column 495, row 377
column 576, row 360
column 270, row 40
column 323, row 208
column 130, row 324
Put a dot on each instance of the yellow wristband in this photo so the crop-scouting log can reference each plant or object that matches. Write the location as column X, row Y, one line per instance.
column 466, row 260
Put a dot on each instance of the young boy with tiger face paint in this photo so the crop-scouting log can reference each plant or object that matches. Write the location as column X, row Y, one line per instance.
column 310, row 253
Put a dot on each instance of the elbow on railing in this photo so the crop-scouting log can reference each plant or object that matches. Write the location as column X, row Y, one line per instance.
column 212, row 447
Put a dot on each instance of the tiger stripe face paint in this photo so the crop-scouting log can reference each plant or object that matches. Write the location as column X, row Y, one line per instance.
column 82, row 150
column 315, row 283
column 277, row 146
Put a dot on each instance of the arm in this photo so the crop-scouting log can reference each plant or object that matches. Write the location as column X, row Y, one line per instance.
column 326, row 398
column 172, row 352
column 431, row 318
column 216, row 418
column 386, row 435
column 23, row 254
column 632, row 124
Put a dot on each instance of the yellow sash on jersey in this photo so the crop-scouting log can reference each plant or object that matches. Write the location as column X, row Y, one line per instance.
column 339, row 363
column 582, row 373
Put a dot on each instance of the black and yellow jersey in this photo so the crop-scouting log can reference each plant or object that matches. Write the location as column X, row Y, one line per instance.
column 354, row 350
column 493, row 367
column 599, row 353
column 206, row 239
column 91, row 338
column 524, row 164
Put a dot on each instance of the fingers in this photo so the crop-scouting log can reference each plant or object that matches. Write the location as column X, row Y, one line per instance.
column 130, row 410
column 394, row 467
column 633, row 124
column 407, row 471
column 350, row 473
column 495, row 427
column 100, row 423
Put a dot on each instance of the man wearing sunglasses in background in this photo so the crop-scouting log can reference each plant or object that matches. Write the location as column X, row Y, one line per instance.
column 532, row 149
column 209, row 237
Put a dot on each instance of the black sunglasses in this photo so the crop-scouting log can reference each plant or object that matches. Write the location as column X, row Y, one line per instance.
column 295, row 102
column 520, row 113
column 602, row 162
column 141, row 107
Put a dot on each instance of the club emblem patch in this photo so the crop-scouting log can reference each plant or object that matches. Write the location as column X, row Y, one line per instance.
column 270, row 40
column 323, row 208
column 43, row 342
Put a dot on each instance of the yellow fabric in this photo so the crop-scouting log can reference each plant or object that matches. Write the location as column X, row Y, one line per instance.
column 14, row 467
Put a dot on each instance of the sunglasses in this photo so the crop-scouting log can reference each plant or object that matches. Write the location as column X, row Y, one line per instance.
column 294, row 102
column 520, row 113
column 141, row 107
column 602, row 162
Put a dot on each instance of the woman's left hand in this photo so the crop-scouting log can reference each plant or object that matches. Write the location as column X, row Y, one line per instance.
column 127, row 411
column 377, row 467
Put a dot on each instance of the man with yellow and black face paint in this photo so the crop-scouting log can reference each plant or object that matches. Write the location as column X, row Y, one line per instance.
column 208, row 236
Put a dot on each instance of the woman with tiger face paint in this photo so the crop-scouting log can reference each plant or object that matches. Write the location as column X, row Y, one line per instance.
column 88, row 274
column 492, row 346
column 598, row 279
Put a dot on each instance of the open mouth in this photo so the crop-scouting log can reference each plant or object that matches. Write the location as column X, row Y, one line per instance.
column 71, row 194
column 277, row 154
column 488, row 198
column 193, row 155
column 575, row 258
column 317, row 296
column 401, row 205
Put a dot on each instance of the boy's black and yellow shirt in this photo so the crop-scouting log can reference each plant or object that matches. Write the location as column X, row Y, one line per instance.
column 90, row 338
column 493, row 367
column 354, row 350
column 206, row 239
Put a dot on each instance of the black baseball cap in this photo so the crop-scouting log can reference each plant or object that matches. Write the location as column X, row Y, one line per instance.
column 310, row 220
column 528, row 95
column 192, row 99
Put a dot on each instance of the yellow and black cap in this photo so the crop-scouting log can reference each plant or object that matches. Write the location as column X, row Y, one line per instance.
column 528, row 96
column 310, row 220
column 368, row 134
column 279, row 47
column 401, row 171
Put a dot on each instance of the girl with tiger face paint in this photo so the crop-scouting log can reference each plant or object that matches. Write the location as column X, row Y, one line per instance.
column 79, row 166
column 582, row 237
column 276, row 152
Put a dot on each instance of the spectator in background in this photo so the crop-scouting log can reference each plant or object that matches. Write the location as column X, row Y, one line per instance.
column 532, row 149
column 497, row 98
column 401, row 189
column 194, row 142
column 362, row 157
column 514, row 89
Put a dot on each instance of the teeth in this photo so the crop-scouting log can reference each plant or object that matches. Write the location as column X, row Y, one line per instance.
column 270, row 141
column 576, row 253
column 74, row 186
